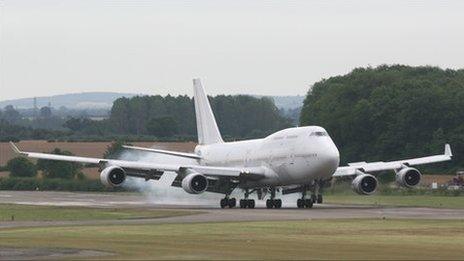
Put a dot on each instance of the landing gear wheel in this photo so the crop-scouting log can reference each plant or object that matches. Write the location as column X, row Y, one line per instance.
column 224, row 203
column 319, row 199
column 269, row 203
column 243, row 203
column 313, row 198
column 277, row 203
column 300, row 203
column 251, row 203
column 232, row 202
column 308, row 203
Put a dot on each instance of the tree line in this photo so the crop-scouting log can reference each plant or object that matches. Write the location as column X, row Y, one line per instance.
column 157, row 117
column 390, row 112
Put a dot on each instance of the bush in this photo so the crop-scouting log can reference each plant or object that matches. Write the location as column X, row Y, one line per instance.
column 114, row 150
column 21, row 167
column 59, row 169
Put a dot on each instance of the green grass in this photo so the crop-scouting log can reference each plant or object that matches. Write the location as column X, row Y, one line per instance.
column 53, row 213
column 312, row 239
column 399, row 200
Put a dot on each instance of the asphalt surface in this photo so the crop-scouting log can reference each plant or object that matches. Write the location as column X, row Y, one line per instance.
column 207, row 213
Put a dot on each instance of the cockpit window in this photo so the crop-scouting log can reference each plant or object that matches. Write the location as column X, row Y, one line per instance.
column 319, row 133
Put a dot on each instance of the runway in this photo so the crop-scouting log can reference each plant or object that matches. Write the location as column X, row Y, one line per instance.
column 207, row 213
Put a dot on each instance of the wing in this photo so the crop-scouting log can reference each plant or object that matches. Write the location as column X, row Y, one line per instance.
column 166, row 152
column 362, row 167
column 142, row 169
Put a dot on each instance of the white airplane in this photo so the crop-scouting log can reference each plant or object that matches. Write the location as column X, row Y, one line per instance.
column 295, row 160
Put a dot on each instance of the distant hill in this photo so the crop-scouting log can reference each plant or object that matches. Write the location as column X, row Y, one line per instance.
column 85, row 100
column 104, row 100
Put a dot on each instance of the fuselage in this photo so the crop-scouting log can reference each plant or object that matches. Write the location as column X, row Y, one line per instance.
column 291, row 156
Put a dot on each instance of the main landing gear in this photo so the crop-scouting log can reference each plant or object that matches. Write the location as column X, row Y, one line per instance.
column 272, row 202
column 228, row 202
column 247, row 203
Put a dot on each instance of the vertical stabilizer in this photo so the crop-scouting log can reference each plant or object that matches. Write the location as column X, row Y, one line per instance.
column 208, row 131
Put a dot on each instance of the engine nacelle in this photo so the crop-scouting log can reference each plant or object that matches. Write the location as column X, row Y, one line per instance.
column 195, row 183
column 408, row 177
column 113, row 176
column 364, row 184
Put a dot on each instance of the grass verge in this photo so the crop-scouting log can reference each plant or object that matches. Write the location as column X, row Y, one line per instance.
column 398, row 200
column 313, row 239
column 9, row 212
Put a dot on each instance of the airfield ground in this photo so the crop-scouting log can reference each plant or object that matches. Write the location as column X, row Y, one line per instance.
column 125, row 225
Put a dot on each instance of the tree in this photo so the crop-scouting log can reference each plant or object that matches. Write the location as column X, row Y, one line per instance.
column 45, row 112
column 21, row 167
column 390, row 112
column 11, row 115
column 59, row 169
column 162, row 127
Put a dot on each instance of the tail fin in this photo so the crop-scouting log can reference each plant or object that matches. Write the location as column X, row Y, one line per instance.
column 208, row 131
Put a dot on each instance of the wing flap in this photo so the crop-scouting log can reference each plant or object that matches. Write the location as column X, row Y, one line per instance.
column 166, row 152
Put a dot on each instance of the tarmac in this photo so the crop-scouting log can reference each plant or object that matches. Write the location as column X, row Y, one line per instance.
column 205, row 213
column 208, row 213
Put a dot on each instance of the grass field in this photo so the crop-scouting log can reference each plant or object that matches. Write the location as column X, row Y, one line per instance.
column 314, row 239
column 52, row 213
column 399, row 200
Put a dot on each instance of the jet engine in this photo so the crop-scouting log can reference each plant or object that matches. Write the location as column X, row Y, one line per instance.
column 113, row 176
column 408, row 177
column 364, row 184
column 195, row 183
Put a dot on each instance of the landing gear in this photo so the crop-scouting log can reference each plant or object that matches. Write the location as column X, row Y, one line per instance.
column 247, row 203
column 317, row 193
column 272, row 202
column 304, row 202
column 228, row 202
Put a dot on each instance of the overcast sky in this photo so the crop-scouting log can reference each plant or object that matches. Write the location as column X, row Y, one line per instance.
column 258, row 47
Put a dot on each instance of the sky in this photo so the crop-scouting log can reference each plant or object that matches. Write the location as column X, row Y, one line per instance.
column 50, row 47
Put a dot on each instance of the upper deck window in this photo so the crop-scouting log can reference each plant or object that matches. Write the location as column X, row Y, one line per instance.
column 319, row 133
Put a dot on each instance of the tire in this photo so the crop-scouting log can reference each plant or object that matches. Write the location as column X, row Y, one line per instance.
column 251, row 203
column 223, row 203
column 232, row 202
column 319, row 199
column 314, row 198
column 269, row 203
column 300, row 203
column 278, row 203
column 308, row 203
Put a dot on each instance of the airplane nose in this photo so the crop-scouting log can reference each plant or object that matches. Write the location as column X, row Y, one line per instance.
column 331, row 158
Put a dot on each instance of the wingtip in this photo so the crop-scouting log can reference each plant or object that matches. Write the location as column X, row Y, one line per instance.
column 448, row 151
column 15, row 148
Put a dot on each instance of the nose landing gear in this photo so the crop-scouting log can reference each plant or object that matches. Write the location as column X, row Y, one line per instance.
column 304, row 202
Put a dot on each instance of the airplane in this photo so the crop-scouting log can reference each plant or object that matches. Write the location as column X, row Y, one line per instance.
column 293, row 160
